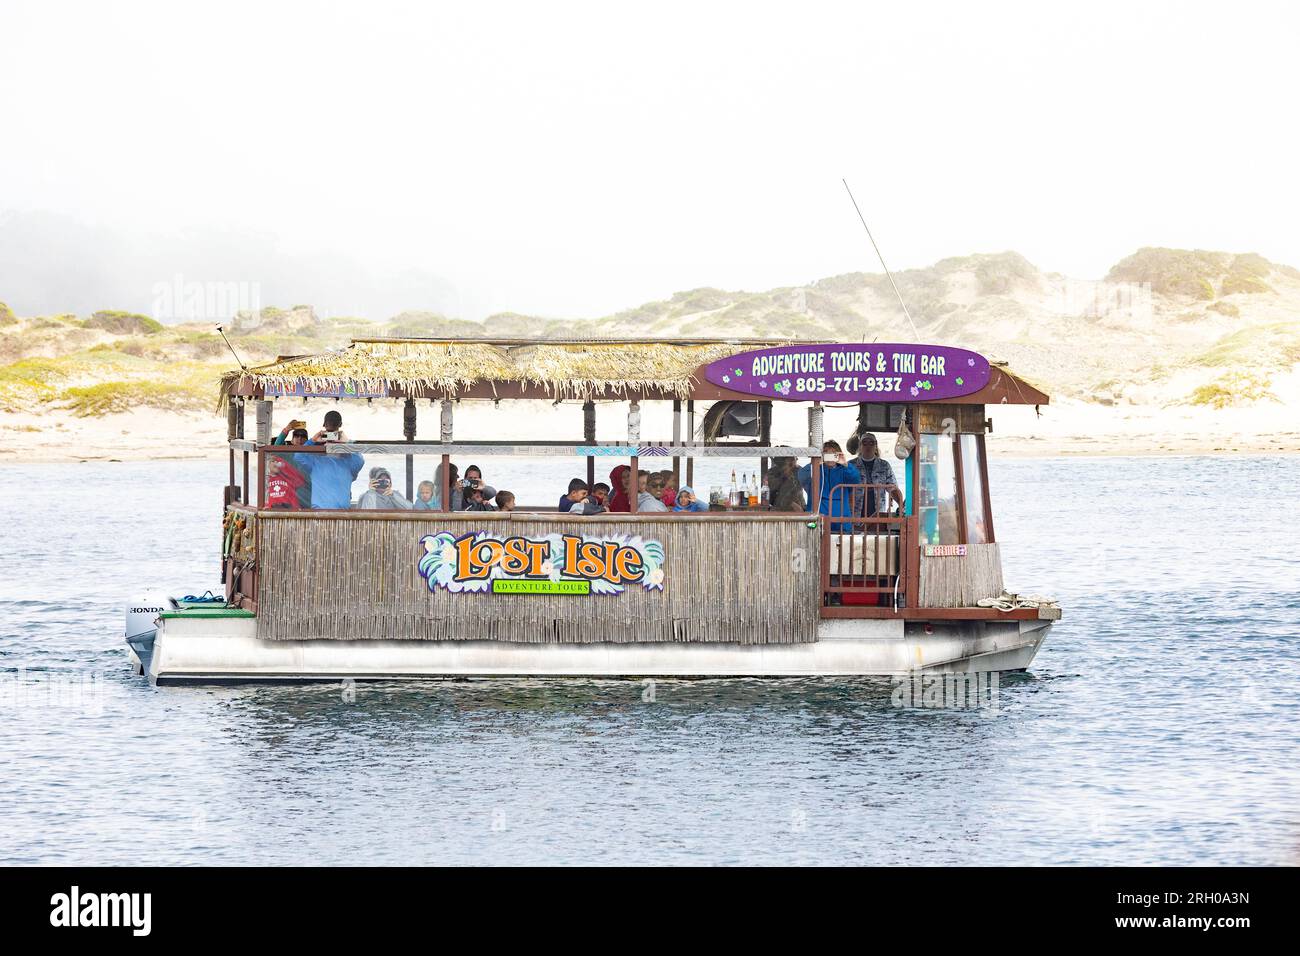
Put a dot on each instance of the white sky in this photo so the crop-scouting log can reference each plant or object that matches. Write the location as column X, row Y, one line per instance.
column 577, row 159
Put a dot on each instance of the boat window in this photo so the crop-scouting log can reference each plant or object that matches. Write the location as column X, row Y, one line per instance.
column 938, row 504
column 972, row 477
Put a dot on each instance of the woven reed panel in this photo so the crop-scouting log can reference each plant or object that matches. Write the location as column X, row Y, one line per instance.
column 342, row 578
column 954, row 581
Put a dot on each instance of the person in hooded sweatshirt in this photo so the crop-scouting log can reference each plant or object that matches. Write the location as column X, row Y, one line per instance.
column 652, row 498
column 619, row 479
column 382, row 496
column 331, row 476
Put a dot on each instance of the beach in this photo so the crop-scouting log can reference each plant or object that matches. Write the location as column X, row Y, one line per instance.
column 1067, row 428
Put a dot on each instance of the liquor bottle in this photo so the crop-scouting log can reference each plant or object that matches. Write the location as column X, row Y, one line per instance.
column 765, row 496
column 753, row 491
column 733, row 494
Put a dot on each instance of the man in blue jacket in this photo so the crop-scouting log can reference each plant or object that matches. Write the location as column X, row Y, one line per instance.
column 835, row 472
column 331, row 475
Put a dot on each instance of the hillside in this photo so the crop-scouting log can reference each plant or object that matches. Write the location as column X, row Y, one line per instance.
column 1165, row 328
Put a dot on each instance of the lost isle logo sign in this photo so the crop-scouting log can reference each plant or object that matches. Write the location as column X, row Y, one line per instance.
column 553, row 564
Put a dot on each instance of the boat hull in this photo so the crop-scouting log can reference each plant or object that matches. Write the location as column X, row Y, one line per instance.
column 216, row 651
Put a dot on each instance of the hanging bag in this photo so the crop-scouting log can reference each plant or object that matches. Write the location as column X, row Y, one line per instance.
column 904, row 443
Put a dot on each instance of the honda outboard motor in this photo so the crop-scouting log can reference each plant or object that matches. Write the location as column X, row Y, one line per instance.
column 142, row 623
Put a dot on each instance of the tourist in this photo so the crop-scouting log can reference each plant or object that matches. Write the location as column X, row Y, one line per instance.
column 424, row 497
column 576, row 495
column 651, row 498
column 600, row 494
column 474, row 479
column 670, row 487
column 381, row 496
column 505, row 501
column 874, row 471
column 294, row 433
column 476, row 501
column 282, row 483
column 686, row 500
column 331, row 478
column 454, row 483
column 619, row 480
column 835, row 471
column 333, row 430
column 783, row 488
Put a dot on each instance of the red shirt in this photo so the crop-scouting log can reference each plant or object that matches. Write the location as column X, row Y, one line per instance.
column 282, row 488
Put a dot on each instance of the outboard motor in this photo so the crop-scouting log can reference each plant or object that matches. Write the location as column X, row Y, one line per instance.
column 142, row 623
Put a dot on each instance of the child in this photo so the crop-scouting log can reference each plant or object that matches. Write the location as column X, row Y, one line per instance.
column 600, row 494
column 424, row 496
column 505, row 501
column 686, row 500
column 670, row 489
column 282, row 482
column 475, row 499
column 576, row 495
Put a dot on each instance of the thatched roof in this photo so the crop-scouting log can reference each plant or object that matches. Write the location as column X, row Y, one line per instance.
column 565, row 369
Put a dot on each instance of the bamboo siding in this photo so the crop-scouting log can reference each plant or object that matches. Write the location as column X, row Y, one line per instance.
column 346, row 577
column 953, row 581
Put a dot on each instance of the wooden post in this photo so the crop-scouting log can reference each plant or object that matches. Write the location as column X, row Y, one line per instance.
column 815, row 414
column 677, row 440
column 589, row 436
column 634, row 439
column 690, row 440
column 261, row 478
column 445, row 435
column 263, row 422
column 815, row 497
column 988, row 500
column 912, row 559
column 445, row 491
column 408, row 431
column 955, row 438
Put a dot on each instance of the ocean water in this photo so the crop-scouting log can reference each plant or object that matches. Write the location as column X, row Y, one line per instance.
column 1159, row 724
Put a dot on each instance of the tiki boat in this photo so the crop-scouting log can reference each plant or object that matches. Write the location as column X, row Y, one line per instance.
column 863, row 578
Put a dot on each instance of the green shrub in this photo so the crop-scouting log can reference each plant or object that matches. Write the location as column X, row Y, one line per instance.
column 109, row 397
column 123, row 323
column 1244, row 282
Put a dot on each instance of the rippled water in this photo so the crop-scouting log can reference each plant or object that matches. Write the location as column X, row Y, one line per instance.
column 1158, row 724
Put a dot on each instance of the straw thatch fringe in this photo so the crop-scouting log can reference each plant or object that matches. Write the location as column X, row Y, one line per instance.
column 356, row 580
column 954, row 581
column 566, row 370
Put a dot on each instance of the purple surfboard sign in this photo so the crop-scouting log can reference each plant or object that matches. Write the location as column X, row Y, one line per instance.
column 852, row 373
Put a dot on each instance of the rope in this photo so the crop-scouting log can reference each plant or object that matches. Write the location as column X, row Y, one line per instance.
column 1007, row 601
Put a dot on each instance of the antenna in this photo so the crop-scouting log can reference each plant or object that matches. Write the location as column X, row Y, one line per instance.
column 242, row 366
column 882, row 260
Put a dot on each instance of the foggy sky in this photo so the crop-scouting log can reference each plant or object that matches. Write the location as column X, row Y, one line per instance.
column 372, row 157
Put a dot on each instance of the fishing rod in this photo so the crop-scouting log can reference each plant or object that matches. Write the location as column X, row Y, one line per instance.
column 242, row 366
column 889, row 274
